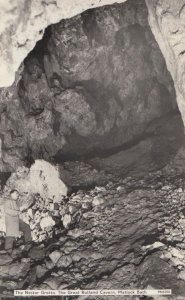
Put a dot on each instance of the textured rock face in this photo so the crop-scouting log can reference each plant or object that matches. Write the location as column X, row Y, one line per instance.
column 23, row 24
column 20, row 31
column 127, row 234
column 167, row 19
column 95, row 82
column 42, row 178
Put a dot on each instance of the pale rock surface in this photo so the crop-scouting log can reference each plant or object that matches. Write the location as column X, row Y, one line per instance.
column 181, row 275
column 41, row 270
column 64, row 262
column 156, row 245
column 66, row 220
column 39, row 187
column 23, row 23
column 2, row 218
column 55, row 256
column 166, row 19
column 45, row 178
column 46, row 222
column 97, row 201
column 42, row 178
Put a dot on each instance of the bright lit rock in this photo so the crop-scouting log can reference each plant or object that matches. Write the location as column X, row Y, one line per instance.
column 2, row 219
column 66, row 220
column 23, row 24
column 47, row 222
column 166, row 19
column 42, row 178
column 55, row 256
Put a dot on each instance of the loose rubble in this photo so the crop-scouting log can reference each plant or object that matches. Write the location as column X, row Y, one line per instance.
column 104, row 237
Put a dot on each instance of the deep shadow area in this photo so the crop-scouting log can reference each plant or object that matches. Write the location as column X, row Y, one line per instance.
column 91, row 93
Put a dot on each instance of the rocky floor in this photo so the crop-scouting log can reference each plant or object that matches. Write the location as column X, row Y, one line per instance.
column 126, row 234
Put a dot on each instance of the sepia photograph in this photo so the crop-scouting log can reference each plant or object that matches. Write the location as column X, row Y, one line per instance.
column 92, row 149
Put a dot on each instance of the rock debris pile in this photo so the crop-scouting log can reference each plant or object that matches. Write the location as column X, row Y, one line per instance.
column 41, row 218
column 127, row 233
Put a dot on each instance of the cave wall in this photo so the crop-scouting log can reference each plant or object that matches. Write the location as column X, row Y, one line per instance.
column 95, row 82
column 166, row 19
column 23, row 23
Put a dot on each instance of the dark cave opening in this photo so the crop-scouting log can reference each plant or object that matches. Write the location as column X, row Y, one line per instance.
column 93, row 108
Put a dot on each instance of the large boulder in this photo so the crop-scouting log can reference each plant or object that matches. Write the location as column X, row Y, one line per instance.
column 42, row 178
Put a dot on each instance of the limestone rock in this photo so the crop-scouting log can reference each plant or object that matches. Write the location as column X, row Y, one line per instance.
column 2, row 217
column 166, row 19
column 54, row 256
column 156, row 245
column 75, row 233
column 18, row 270
column 42, row 178
column 23, row 24
column 181, row 275
column 80, row 94
column 5, row 259
column 177, row 253
column 66, row 220
column 114, row 247
column 41, row 271
column 64, row 262
column 10, row 285
column 36, row 253
column 47, row 222
column 97, row 201
column 49, row 264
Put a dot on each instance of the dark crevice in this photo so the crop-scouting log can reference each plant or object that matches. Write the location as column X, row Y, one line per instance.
column 4, row 177
column 104, row 153
column 40, row 48
column 91, row 28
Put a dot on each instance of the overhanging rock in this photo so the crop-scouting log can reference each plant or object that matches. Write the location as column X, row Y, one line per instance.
column 23, row 23
column 167, row 19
